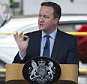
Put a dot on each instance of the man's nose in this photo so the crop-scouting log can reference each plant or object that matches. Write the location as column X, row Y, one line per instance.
column 41, row 20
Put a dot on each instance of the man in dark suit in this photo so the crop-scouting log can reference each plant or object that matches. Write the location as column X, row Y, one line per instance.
column 63, row 47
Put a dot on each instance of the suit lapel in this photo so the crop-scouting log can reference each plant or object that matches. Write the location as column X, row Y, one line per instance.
column 57, row 46
column 34, row 45
column 37, row 44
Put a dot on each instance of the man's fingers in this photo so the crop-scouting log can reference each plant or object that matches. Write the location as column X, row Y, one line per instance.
column 16, row 35
column 21, row 35
column 25, row 38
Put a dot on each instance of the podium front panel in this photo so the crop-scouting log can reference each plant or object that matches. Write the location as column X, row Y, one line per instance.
column 14, row 73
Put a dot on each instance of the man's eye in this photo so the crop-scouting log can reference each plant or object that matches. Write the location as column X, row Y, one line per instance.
column 45, row 16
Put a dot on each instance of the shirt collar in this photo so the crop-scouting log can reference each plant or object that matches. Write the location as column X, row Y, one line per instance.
column 52, row 35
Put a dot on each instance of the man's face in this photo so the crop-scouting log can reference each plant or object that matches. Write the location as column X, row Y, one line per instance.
column 46, row 20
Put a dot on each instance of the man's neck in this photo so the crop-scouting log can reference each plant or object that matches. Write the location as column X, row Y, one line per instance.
column 50, row 31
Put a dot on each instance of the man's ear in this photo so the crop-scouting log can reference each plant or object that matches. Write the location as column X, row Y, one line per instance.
column 56, row 20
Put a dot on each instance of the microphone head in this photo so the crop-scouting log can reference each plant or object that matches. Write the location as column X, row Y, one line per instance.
column 5, row 14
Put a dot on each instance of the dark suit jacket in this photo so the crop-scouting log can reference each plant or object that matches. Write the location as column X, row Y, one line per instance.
column 64, row 49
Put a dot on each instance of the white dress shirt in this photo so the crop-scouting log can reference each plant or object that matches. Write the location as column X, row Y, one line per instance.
column 43, row 41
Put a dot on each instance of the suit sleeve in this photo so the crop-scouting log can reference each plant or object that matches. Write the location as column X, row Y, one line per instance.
column 17, row 59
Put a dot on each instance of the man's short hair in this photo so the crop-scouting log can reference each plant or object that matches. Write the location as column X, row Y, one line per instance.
column 55, row 6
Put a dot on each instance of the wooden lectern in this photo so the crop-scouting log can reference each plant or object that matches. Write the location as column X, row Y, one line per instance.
column 14, row 73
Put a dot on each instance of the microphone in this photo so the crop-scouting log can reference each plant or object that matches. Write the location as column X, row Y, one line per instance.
column 4, row 21
column 5, row 14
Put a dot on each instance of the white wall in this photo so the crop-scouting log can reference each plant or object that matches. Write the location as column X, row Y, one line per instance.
column 4, row 1
column 76, row 7
column 32, row 6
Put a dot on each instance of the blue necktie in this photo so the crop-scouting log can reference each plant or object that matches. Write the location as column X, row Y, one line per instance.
column 46, row 51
